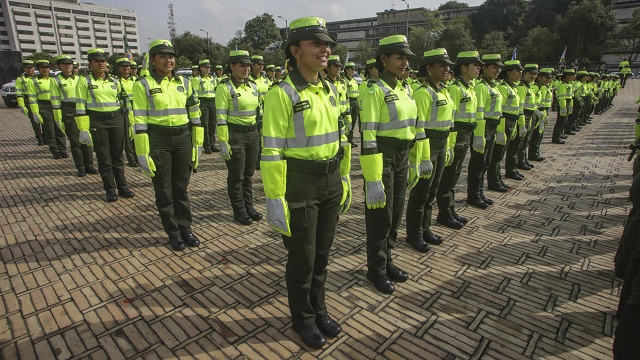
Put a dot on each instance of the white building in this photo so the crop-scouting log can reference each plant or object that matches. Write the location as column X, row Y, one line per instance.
column 65, row 27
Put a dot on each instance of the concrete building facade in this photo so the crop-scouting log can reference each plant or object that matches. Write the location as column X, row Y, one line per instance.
column 66, row 27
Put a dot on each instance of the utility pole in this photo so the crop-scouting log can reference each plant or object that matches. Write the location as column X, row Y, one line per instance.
column 172, row 24
column 206, row 32
column 405, row 1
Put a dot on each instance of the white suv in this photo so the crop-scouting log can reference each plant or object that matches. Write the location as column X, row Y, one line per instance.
column 9, row 94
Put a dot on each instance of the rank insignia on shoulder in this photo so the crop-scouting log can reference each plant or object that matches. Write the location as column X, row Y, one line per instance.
column 332, row 100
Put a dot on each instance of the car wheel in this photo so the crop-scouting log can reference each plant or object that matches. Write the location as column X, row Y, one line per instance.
column 10, row 104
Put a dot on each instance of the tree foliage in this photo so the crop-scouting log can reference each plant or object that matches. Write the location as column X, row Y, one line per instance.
column 540, row 45
column 340, row 50
column 629, row 38
column 586, row 27
column 494, row 42
column 261, row 31
column 42, row 56
column 453, row 4
column 423, row 38
column 456, row 37
column 501, row 15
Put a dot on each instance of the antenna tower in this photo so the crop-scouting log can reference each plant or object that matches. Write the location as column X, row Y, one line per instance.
column 172, row 24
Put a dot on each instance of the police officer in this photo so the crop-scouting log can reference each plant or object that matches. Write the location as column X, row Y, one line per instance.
column 529, row 103
column 305, row 183
column 465, row 102
column 256, row 75
column 370, row 73
column 101, row 124
column 389, row 117
column 23, row 99
column 512, row 109
column 435, row 119
column 125, row 92
column 169, row 137
column 238, row 107
column 195, row 72
column 352, row 94
column 63, row 101
column 625, row 72
column 39, row 92
column 76, row 68
column 134, row 69
column 488, row 118
column 278, row 73
column 204, row 87
column 333, row 76
column 564, row 94
column 219, row 72
column 544, row 98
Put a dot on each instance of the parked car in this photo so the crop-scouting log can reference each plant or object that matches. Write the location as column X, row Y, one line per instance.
column 9, row 94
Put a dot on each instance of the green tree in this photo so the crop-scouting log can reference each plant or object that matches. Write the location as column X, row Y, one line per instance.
column 340, row 50
column 453, row 4
column 543, row 13
column 261, row 31
column 191, row 45
column 363, row 52
column 456, row 37
column 494, row 42
column 42, row 56
column 238, row 42
column 423, row 38
column 501, row 15
column 540, row 45
column 183, row 62
column 587, row 27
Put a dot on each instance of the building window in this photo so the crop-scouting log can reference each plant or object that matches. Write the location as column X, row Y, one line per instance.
column 68, row 52
column 64, row 18
column 66, row 36
column 63, row 27
column 5, row 42
column 46, row 25
column 101, row 38
column 84, row 37
column 116, row 32
column 23, row 23
column 40, row 7
column 98, row 21
column 96, row 14
column 43, row 16
column 133, row 47
column 27, row 41
column 80, row 12
column 85, row 44
column 131, row 33
column 82, row 20
column 22, row 13
column 66, row 43
column 111, row 16
column 48, row 42
column 4, row 33
column 42, row 33
column 62, row 10
column 85, row 28
column 118, row 46
column 104, row 46
column 25, row 32
column 18, row 4
column 100, row 30
column 129, row 18
column 2, row 23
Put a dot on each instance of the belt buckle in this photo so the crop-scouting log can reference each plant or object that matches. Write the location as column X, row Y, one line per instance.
column 321, row 167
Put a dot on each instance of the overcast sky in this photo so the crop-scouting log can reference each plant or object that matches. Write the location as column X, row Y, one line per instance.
column 222, row 18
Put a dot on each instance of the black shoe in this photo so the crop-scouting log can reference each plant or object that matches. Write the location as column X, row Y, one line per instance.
column 191, row 240
column 461, row 219
column 354, row 145
column 57, row 156
column 177, row 243
column 208, row 151
column 449, row 221
column 477, row 201
column 82, row 173
column 382, row 283
column 537, row 158
column 64, row 155
column 486, row 199
column 557, row 141
column 91, row 170
column 396, row 274
column 564, row 136
column 431, row 238
column 529, row 164
column 419, row 245
column 310, row 335
column 243, row 218
column 253, row 214
column 111, row 196
column 329, row 327
column 504, row 185
column 514, row 176
column 214, row 149
column 126, row 193
column 570, row 133
column 41, row 142
column 524, row 166
column 133, row 163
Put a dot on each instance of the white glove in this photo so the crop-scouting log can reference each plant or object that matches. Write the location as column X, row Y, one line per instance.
column 374, row 194
column 563, row 112
column 278, row 215
column 501, row 138
column 37, row 118
column 425, row 168
column 147, row 166
column 225, row 150
column 523, row 130
column 479, row 143
column 24, row 110
column 449, row 157
column 85, row 138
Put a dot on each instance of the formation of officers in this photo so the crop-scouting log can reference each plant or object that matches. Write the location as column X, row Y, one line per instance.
column 416, row 130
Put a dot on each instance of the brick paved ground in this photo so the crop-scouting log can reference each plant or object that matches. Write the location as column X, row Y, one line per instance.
column 529, row 277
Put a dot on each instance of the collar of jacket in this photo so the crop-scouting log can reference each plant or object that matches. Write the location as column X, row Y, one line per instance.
column 390, row 80
column 158, row 78
column 301, row 83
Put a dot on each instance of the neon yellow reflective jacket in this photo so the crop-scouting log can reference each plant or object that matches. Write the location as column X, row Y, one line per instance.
column 435, row 108
column 489, row 100
column 237, row 103
column 465, row 101
column 511, row 100
column 63, row 90
column 204, row 86
column 96, row 94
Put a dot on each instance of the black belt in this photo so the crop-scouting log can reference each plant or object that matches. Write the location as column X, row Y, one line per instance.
column 528, row 112
column 44, row 102
column 321, row 167
column 242, row 128
column 397, row 144
column 68, row 104
column 104, row 114
column 544, row 109
column 465, row 126
column 511, row 117
column 168, row 130
column 489, row 121
column 207, row 101
column 436, row 134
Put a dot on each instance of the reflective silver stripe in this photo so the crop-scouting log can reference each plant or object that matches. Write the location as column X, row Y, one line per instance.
column 421, row 135
column 465, row 116
column 145, row 82
column 271, row 157
column 396, row 125
column 394, row 121
column 274, row 142
column 140, row 112
column 433, row 122
column 54, row 97
column 94, row 101
column 232, row 92
column 510, row 108
column 369, row 126
column 370, row 144
column 195, row 121
column 62, row 91
column 221, row 122
column 140, row 127
column 221, row 111
column 167, row 112
column 493, row 114
column 241, row 112
column 80, row 100
column 480, row 108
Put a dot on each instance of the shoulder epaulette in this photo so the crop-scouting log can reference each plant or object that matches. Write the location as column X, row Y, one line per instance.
column 370, row 82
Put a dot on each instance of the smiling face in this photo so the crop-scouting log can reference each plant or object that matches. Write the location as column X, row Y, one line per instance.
column 124, row 70
column 438, row 71
column 240, row 71
column 470, row 71
column 491, row 71
column 29, row 70
column 164, row 62
column 334, row 70
column 311, row 54
column 98, row 67
column 529, row 76
column 66, row 68
column 395, row 64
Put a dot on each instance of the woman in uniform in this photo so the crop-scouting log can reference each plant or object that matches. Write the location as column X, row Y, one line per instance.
column 389, row 117
column 101, row 123
column 237, row 106
column 168, row 139
column 305, row 180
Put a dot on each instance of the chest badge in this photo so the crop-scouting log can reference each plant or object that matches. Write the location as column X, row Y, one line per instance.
column 180, row 88
column 332, row 100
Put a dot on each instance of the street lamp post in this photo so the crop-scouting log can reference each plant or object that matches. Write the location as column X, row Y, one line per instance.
column 405, row 1
column 286, row 26
column 206, row 32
